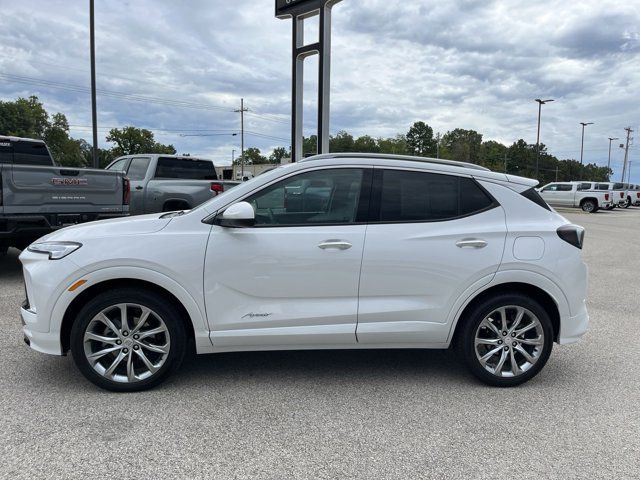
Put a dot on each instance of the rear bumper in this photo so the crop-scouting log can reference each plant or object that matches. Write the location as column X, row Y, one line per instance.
column 572, row 328
column 42, row 342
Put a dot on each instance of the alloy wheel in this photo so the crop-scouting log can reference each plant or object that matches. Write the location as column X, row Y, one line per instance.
column 509, row 341
column 126, row 343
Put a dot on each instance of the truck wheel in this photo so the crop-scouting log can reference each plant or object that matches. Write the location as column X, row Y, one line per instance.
column 589, row 206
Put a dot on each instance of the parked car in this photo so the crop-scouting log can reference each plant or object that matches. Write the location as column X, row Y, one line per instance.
column 570, row 194
column 164, row 183
column 375, row 252
column 37, row 196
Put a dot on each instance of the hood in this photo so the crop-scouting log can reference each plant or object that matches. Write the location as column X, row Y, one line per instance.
column 114, row 227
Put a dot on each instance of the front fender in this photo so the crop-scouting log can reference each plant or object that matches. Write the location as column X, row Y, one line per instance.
column 194, row 308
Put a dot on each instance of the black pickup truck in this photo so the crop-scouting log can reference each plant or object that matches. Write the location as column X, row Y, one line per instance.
column 37, row 196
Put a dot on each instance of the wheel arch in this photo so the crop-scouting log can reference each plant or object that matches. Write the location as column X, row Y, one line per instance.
column 76, row 305
column 547, row 301
column 69, row 303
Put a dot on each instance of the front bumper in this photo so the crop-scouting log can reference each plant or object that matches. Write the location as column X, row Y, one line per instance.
column 42, row 342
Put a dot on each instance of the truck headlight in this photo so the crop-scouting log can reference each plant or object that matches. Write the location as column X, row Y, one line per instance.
column 55, row 250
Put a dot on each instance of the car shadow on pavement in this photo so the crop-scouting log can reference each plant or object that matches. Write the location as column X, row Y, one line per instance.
column 321, row 366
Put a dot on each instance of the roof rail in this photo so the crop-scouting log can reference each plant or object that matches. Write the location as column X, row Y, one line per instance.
column 384, row 156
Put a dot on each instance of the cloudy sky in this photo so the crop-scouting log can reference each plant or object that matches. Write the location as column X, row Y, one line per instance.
column 180, row 68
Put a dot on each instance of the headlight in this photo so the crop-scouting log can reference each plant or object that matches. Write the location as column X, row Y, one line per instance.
column 55, row 250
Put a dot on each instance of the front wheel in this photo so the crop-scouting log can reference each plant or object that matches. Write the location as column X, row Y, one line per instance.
column 128, row 340
column 506, row 340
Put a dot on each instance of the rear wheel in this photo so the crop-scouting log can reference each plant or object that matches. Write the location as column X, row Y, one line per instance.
column 128, row 340
column 506, row 340
column 589, row 206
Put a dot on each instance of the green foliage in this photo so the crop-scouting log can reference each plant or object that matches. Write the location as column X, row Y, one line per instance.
column 462, row 145
column 420, row 140
column 278, row 154
column 133, row 141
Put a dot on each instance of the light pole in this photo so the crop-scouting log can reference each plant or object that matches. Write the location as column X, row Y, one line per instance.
column 611, row 139
column 540, row 103
column 584, row 124
column 94, row 115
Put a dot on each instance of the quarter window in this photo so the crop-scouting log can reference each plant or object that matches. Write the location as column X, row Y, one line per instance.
column 313, row 198
column 407, row 196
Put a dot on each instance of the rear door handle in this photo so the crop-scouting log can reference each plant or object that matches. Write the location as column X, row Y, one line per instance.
column 139, row 187
column 335, row 244
column 471, row 243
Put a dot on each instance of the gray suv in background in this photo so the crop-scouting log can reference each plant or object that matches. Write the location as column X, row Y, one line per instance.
column 165, row 183
column 37, row 196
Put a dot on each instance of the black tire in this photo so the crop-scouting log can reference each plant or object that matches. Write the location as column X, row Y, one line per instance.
column 165, row 310
column 627, row 203
column 470, row 324
column 589, row 206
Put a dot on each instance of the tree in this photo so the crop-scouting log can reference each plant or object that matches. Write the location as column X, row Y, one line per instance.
column 492, row 155
column 132, row 141
column 65, row 150
column 394, row 146
column 252, row 156
column 278, row 154
column 23, row 118
column 309, row 145
column 366, row 144
column 420, row 140
column 462, row 145
column 341, row 143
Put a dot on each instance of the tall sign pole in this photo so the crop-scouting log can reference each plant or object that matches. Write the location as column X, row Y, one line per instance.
column 298, row 11
column 94, row 115
column 626, row 153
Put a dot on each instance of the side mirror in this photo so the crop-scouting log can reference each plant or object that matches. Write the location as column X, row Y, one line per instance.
column 238, row 215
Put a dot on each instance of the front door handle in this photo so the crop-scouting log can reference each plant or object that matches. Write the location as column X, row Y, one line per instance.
column 471, row 243
column 335, row 244
column 139, row 187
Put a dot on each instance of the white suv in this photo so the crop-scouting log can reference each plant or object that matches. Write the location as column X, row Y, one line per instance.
column 339, row 251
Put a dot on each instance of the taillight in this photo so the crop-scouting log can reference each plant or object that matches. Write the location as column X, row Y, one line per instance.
column 621, row 194
column 638, row 194
column 572, row 234
column 606, row 196
column 126, row 191
column 218, row 188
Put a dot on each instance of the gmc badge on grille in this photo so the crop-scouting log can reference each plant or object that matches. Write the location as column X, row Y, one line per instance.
column 69, row 181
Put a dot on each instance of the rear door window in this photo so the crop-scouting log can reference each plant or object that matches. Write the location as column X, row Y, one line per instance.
column 185, row 169
column 138, row 168
column 31, row 153
column 563, row 187
column 410, row 196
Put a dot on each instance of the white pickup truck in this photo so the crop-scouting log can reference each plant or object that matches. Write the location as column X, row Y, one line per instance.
column 572, row 194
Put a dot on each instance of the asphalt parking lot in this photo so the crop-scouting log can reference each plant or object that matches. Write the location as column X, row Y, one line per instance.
column 345, row 414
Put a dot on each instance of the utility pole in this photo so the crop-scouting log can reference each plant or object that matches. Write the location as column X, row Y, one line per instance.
column 629, row 174
column 611, row 139
column 94, row 114
column 438, row 145
column 241, row 111
column 556, row 173
column 540, row 103
column 584, row 124
column 626, row 153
